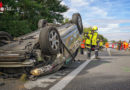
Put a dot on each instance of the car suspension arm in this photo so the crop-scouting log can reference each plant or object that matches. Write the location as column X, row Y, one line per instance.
column 73, row 58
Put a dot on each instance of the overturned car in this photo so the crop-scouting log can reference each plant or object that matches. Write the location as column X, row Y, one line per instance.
column 43, row 51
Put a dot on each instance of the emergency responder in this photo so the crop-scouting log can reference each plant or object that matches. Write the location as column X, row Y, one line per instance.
column 127, row 45
column 101, row 44
column 119, row 45
column 113, row 45
column 85, row 35
column 106, row 45
column 82, row 46
column 92, row 42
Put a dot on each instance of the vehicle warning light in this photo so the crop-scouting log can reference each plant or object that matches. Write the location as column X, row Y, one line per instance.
column 1, row 4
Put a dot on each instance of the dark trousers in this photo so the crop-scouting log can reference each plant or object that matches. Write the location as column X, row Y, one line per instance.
column 119, row 47
column 89, row 52
column 82, row 51
column 94, row 48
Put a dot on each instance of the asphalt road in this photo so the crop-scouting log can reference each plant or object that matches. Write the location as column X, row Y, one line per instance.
column 108, row 73
column 111, row 72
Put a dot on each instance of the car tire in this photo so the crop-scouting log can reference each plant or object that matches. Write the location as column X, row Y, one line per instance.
column 76, row 19
column 49, row 40
column 42, row 23
column 5, row 36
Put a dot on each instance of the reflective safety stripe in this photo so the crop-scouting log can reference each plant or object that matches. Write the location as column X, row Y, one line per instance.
column 88, row 47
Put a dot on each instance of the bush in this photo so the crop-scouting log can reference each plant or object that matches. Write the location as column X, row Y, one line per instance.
column 24, row 15
column 16, row 28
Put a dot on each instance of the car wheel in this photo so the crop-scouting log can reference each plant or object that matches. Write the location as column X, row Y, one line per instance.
column 42, row 23
column 49, row 40
column 4, row 36
column 76, row 19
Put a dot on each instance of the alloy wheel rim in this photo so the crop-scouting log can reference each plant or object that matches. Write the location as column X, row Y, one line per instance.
column 54, row 40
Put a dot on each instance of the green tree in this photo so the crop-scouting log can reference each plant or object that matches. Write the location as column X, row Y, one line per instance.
column 105, row 40
column 85, row 30
column 113, row 41
column 101, row 37
column 22, row 16
column 66, row 20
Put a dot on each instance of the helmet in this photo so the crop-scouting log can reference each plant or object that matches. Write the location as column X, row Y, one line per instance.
column 95, row 28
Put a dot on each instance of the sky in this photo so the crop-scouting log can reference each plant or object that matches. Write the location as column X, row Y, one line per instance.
column 111, row 16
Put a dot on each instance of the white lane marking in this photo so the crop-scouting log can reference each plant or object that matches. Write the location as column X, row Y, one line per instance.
column 61, row 84
column 85, row 52
column 109, row 51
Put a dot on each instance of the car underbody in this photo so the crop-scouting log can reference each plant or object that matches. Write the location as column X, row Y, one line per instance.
column 43, row 51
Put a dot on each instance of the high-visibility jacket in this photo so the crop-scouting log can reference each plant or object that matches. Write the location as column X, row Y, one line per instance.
column 83, row 44
column 107, row 45
column 92, row 40
column 88, row 40
column 126, row 45
column 100, row 43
